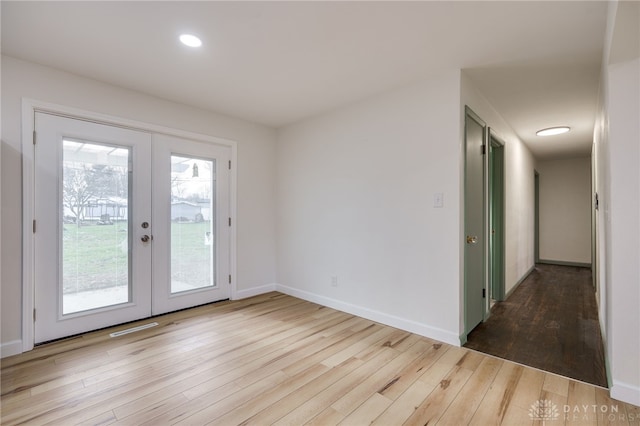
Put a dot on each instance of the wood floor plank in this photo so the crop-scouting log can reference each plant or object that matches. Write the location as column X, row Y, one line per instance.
column 285, row 405
column 610, row 411
column 103, row 419
column 582, row 404
column 403, row 407
column 525, row 395
column 314, row 405
column 203, row 400
column 432, row 408
column 412, row 371
column 462, row 409
column 554, row 394
column 112, row 401
column 367, row 412
column 213, row 410
column 353, row 399
column 633, row 414
column 406, row 406
column 498, row 397
column 250, row 408
column 179, row 387
column 275, row 359
column 328, row 417
column 357, row 347
column 145, row 411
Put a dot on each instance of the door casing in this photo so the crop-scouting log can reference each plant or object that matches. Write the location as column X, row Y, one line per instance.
column 29, row 108
column 536, row 216
column 496, row 230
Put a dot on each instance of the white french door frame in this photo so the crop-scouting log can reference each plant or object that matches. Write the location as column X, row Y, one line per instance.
column 29, row 109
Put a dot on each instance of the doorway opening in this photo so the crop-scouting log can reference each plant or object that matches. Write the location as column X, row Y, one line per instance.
column 548, row 320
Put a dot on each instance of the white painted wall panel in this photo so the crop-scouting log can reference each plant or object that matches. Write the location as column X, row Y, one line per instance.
column 355, row 198
column 624, row 255
column 565, row 210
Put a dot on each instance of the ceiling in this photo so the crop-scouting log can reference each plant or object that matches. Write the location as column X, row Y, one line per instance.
column 276, row 63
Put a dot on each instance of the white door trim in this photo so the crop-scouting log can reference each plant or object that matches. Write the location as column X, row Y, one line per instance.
column 29, row 108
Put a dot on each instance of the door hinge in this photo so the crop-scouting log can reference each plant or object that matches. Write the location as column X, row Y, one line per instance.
column 34, row 314
column 34, row 226
column 229, row 164
column 484, row 293
column 34, row 137
column 229, row 221
column 229, row 279
column 484, row 149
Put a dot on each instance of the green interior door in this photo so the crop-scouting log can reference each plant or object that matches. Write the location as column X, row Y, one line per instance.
column 474, row 243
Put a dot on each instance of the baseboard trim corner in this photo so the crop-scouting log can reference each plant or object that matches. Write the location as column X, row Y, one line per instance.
column 520, row 281
column 13, row 347
column 377, row 316
column 625, row 392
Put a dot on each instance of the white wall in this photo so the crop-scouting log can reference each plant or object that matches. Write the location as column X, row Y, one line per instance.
column 519, row 187
column 565, row 210
column 355, row 198
column 617, row 151
column 624, row 255
column 256, row 170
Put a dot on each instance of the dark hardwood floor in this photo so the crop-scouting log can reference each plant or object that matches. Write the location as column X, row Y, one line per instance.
column 549, row 322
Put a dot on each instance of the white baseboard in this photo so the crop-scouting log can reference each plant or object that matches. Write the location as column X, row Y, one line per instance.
column 625, row 392
column 381, row 317
column 254, row 291
column 10, row 348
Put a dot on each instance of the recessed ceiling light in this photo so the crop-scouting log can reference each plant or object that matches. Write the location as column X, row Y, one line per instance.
column 553, row 131
column 190, row 40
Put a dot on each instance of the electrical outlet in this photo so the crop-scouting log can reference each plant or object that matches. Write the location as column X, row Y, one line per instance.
column 334, row 281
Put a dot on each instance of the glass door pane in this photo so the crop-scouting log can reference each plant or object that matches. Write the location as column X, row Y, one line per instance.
column 193, row 223
column 92, row 207
column 96, row 248
column 191, row 251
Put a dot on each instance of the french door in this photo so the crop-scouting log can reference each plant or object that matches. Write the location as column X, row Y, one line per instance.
column 128, row 224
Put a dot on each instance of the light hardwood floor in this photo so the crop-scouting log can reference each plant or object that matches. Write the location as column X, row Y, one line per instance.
column 274, row 359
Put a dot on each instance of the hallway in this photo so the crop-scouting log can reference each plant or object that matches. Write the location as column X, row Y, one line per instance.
column 549, row 322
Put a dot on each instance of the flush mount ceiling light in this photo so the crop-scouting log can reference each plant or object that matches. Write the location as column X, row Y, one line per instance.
column 190, row 40
column 553, row 131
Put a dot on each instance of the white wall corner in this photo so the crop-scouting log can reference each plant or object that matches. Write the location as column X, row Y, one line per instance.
column 13, row 347
column 625, row 392
column 254, row 291
column 377, row 316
